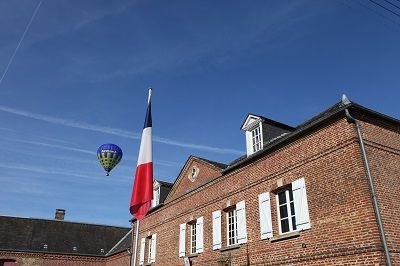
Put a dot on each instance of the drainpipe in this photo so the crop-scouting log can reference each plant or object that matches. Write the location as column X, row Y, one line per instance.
column 375, row 204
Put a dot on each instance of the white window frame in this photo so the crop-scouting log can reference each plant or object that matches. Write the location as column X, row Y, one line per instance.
column 256, row 138
column 193, row 236
column 150, row 240
column 289, row 211
column 235, row 229
column 156, row 197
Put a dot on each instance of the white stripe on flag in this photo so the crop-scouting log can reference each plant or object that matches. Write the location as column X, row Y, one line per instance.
column 145, row 152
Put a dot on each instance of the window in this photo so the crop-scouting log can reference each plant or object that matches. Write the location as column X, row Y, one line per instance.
column 193, row 238
column 236, row 229
column 292, row 207
column 151, row 256
column 150, row 240
column 231, row 227
column 196, row 239
column 156, row 197
column 7, row 262
column 256, row 139
column 286, row 211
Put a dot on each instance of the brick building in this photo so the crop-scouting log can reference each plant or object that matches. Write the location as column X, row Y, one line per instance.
column 37, row 242
column 300, row 196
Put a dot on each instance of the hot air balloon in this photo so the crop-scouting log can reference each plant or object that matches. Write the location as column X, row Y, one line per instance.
column 109, row 156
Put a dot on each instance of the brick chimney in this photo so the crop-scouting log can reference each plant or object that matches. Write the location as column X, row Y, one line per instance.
column 60, row 213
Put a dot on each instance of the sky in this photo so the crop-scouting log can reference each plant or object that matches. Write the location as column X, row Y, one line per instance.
column 80, row 75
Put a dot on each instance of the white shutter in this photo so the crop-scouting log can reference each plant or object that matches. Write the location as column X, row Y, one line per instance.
column 241, row 222
column 265, row 215
column 216, row 230
column 249, row 143
column 142, row 247
column 182, row 240
column 300, row 204
column 199, row 235
column 153, row 247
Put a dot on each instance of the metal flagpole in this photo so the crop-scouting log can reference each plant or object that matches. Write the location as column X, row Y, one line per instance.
column 136, row 242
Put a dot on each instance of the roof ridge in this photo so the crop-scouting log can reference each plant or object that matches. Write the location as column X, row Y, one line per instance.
column 119, row 242
column 63, row 221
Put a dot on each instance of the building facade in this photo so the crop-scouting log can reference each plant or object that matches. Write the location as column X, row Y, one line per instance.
column 300, row 196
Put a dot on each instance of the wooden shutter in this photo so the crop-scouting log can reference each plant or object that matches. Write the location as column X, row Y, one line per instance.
column 153, row 247
column 182, row 240
column 142, row 249
column 199, row 235
column 264, row 203
column 300, row 204
column 217, row 243
column 241, row 222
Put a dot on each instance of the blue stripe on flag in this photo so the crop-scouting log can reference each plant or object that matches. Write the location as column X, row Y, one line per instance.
column 147, row 121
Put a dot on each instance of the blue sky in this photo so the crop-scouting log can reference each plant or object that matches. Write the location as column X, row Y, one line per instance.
column 80, row 78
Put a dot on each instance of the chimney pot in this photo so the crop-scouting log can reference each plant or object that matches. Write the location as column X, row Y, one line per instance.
column 60, row 213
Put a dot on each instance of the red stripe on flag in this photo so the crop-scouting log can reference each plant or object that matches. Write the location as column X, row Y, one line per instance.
column 142, row 192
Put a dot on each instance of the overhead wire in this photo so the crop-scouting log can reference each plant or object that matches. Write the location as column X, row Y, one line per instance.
column 362, row 4
column 20, row 42
column 387, row 1
column 387, row 9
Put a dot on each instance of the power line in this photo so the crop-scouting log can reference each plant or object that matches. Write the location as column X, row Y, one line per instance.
column 392, row 4
column 387, row 9
column 20, row 41
column 377, row 13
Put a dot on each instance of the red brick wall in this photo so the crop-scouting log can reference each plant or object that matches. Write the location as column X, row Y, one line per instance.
column 42, row 259
column 383, row 148
column 120, row 259
column 183, row 184
column 343, row 224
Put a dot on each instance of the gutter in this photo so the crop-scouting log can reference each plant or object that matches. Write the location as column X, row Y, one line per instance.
column 375, row 204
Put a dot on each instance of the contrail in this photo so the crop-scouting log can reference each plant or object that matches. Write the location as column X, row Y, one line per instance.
column 20, row 41
column 113, row 131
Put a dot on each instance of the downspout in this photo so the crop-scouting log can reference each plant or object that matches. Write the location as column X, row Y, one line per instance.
column 375, row 204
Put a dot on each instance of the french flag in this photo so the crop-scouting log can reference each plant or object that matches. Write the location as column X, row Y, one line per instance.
column 142, row 192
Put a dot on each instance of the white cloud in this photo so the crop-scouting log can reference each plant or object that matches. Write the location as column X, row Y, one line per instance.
column 112, row 131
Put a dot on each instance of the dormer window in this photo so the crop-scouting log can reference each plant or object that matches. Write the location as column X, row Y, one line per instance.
column 254, row 134
column 261, row 131
column 256, row 139
column 156, row 194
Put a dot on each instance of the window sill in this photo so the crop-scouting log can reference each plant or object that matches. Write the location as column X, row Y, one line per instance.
column 285, row 236
column 230, row 247
column 194, row 255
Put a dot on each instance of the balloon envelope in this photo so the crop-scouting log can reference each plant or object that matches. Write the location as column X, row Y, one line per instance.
column 109, row 155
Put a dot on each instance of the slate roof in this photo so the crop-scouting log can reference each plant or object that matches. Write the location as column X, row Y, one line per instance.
column 330, row 113
column 30, row 234
column 216, row 164
column 269, row 121
column 165, row 184
column 123, row 244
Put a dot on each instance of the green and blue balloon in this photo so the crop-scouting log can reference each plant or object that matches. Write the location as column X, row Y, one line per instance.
column 109, row 155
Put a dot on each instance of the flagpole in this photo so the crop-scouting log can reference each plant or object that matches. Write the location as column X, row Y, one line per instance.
column 136, row 242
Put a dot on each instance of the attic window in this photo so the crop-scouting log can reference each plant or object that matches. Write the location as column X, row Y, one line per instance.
column 193, row 173
column 256, row 139
column 156, row 196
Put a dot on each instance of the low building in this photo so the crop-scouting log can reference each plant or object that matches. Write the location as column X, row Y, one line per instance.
column 36, row 242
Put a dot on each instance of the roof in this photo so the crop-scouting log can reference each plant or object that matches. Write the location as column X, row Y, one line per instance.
column 30, row 234
column 165, row 184
column 333, row 111
column 269, row 121
column 216, row 164
column 123, row 244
